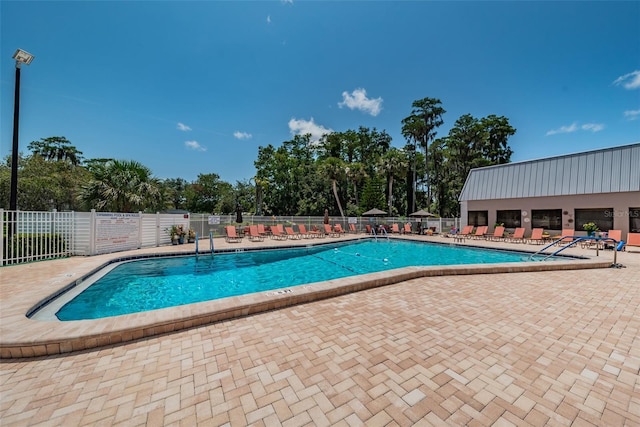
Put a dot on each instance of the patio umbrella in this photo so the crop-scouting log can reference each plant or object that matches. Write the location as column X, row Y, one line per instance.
column 238, row 214
column 422, row 213
column 374, row 212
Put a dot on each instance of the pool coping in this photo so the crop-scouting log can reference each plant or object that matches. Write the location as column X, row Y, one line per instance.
column 22, row 337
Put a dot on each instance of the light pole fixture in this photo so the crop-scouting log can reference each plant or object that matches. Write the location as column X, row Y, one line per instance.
column 21, row 57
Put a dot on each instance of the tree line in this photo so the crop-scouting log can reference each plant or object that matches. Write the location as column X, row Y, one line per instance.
column 345, row 173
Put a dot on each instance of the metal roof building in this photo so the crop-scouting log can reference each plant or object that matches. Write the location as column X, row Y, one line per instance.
column 561, row 192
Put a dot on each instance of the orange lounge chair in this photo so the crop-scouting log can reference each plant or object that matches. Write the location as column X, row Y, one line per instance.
column 615, row 235
column 481, row 232
column 277, row 235
column 307, row 234
column 517, row 237
column 536, row 236
column 330, row 231
column 292, row 234
column 254, row 235
column 352, row 228
column 466, row 231
column 567, row 237
column 633, row 239
column 407, row 228
column 232, row 236
column 338, row 229
column 395, row 228
column 261, row 230
column 498, row 234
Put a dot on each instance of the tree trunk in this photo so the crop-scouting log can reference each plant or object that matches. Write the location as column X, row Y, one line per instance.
column 335, row 193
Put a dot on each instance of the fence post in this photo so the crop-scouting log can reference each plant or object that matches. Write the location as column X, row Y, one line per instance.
column 92, row 232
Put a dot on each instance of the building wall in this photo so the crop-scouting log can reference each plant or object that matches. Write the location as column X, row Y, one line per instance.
column 620, row 202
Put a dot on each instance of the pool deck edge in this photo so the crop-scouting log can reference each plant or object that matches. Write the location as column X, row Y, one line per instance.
column 21, row 337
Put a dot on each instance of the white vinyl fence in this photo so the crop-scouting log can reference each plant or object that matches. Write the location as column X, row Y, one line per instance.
column 31, row 236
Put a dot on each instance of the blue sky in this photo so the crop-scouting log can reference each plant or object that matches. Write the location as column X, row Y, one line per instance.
column 196, row 87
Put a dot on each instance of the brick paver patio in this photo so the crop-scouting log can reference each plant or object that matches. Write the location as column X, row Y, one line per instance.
column 543, row 348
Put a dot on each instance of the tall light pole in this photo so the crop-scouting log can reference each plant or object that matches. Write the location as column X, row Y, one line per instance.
column 21, row 57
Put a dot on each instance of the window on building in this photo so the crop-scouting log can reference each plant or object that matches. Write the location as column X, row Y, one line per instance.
column 602, row 217
column 478, row 218
column 634, row 220
column 510, row 219
column 547, row 218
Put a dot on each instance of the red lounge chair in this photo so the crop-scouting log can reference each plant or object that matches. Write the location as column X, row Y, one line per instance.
column 338, row 229
column 292, row 234
column 407, row 228
column 254, row 235
column 633, row 239
column 536, row 236
column 307, row 234
column 517, row 237
column 261, row 230
column 329, row 231
column 232, row 236
column 276, row 234
column 481, row 231
column 498, row 234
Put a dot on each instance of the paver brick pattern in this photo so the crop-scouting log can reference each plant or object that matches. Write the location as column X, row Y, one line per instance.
column 555, row 348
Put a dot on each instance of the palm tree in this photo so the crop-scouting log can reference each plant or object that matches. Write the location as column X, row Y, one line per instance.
column 334, row 169
column 393, row 163
column 123, row 186
column 420, row 127
column 357, row 173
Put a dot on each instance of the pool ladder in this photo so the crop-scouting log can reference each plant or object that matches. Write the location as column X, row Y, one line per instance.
column 574, row 242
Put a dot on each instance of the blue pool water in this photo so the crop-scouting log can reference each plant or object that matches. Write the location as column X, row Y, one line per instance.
column 151, row 284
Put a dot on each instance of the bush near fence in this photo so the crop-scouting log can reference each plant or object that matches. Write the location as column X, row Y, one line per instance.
column 33, row 247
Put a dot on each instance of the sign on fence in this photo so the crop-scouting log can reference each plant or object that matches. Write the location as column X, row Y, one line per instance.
column 117, row 231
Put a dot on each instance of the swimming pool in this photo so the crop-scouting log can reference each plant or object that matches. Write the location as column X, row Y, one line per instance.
column 150, row 284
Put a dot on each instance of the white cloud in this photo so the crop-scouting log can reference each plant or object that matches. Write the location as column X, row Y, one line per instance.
column 303, row 127
column 564, row 129
column 358, row 100
column 593, row 127
column 194, row 145
column 183, row 127
column 573, row 127
column 632, row 114
column 242, row 135
column 268, row 19
column 629, row 81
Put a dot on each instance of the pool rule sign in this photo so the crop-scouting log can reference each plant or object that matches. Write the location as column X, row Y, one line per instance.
column 117, row 231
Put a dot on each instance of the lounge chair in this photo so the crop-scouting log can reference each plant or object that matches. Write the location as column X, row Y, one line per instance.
column 329, row 231
column 254, row 235
column 292, row 234
column 615, row 235
column 517, row 237
column 466, row 231
column 633, row 239
column 498, row 234
column 306, row 234
column 536, row 236
column 567, row 237
column 481, row 232
column 261, row 230
column 338, row 229
column 277, row 235
column 395, row 228
column 232, row 236
column 407, row 228
column 352, row 228
column 368, row 229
